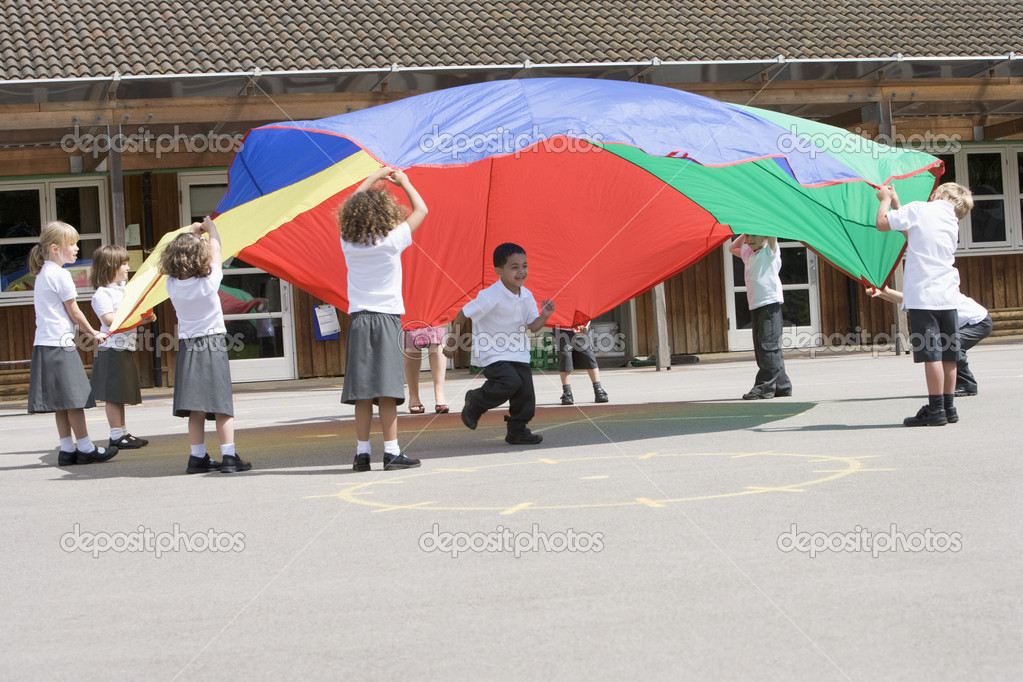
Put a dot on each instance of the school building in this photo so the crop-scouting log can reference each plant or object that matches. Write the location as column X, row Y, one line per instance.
column 121, row 118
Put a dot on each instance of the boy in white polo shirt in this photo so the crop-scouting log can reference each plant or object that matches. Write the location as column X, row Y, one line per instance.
column 500, row 315
column 930, row 288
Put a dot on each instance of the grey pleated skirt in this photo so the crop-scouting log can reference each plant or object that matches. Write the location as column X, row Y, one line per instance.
column 202, row 377
column 115, row 378
column 57, row 380
column 374, row 364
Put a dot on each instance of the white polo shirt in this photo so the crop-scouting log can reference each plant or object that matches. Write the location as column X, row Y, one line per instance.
column 969, row 311
column 197, row 304
column 763, row 285
column 499, row 320
column 107, row 299
column 931, row 281
column 374, row 272
column 53, row 286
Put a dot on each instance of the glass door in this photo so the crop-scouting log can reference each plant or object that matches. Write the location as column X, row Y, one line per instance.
column 800, row 311
column 257, row 306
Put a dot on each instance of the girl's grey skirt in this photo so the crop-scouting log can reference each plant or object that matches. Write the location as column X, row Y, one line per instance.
column 115, row 378
column 374, row 364
column 202, row 377
column 57, row 380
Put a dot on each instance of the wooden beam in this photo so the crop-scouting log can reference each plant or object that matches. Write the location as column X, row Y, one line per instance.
column 846, row 119
column 1006, row 129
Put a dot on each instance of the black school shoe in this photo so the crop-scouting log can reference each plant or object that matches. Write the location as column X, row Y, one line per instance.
column 567, row 398
column 951, row 415
column 399, row 461
column 233, row 463
column 361, row 463
column 201, row 465
column 128, row 442
column 66, row 459
column 928, row 416
column 97, row 455
column 600, row 395
column 525, row 437
column 963, row 393
column 469, row 417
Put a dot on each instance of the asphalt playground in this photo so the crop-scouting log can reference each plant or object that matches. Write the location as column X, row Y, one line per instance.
column 676, row 532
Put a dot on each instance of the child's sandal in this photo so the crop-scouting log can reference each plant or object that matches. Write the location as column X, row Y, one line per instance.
column 416, row 409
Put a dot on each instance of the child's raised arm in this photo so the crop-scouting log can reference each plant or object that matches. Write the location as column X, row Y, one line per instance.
column 419, row 209
column 735, row 248
column 373, row 178
column 888, row 199
column 215, row 247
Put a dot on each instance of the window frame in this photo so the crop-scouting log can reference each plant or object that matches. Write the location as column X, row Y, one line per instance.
column 48, row 212
column 1010, row 196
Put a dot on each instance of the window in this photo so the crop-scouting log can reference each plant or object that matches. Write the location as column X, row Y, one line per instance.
column 26, row 207
column 994, row 173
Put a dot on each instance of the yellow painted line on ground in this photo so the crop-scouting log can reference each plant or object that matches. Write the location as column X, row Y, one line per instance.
column 649, row 503
column 468, row 471
column 517, row 508
column 756, row 454
column 404, row 506
column 359, row 485
column 647, row 455
column 547, row 461
column 779, row 490
column 593, row 478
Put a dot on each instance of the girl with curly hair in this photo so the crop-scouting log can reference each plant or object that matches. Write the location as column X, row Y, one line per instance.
column 374, row 231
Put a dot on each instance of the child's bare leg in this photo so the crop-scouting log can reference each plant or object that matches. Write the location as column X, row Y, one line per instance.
column 225, row 429
column 115, row 415
column 76, row 421
column 594, row 375
column 934, row 372
column 63, row 424
column 196, row 428
column 363, row 418
column 388, row 418
column 949, row 371
column 412, row 365
column 438, row 368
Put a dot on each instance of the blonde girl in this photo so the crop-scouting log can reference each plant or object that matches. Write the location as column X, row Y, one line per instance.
column 374, row 231
column 115, row 378
column 202, row 375
column 57, row 381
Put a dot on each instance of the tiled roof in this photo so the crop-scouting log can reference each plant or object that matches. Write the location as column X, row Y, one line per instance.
column 96, row 37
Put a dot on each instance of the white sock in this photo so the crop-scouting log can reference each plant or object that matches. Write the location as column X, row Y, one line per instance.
column 198, row 450
column 391, row 447
column 116, row 432
column 227, row 450
column 67, row 444
column 85, row 445
column 362, row 447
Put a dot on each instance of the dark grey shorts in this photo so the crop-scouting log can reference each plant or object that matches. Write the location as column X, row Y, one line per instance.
column 202, row 377
column 57, row 380
column 374, row 363
column 115, row 378
column 933, row 335
column 575, row 351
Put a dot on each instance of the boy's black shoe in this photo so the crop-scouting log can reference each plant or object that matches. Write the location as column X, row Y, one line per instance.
column 128, row 442
column 963, row 393
column 927, row 416
column 600, row 395
column 783, row 394
column 97, row 455
column 399, row 461
column 951, row 415
column 361, row 462
column 756, row 395
column 470, row 419
column 201, row 465
column 525, row 437
column 567, row 398
column 233, row 463
column 66, row 459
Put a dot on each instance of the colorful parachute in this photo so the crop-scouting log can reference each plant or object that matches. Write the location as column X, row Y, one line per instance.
column 611, row 187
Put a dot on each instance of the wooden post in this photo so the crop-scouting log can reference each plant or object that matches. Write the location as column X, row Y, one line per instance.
column 886, row 133
column 663, row 352
column 116, row 188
